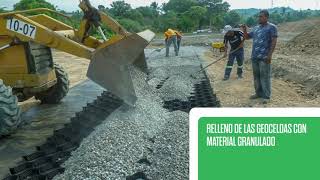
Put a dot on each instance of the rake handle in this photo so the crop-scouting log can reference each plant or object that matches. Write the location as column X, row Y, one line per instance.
column 204, row 68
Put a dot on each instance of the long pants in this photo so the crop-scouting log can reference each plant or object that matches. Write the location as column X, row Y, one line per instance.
column 172, row 40
column 179, row 43
column 262, row 78
column 239, row 56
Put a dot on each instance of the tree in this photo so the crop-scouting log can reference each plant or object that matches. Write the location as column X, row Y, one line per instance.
column 195, row 14
column 232, row 18
column 101, row 8
column 154, row 5
column 2, row 10
column 215, row 11
column 135, row 15
column 32, row 4
column 120, row 8
column 148, row 12
column 168, row 20
column 276, row 18
column 251, row 21
column 179, row 6
column 130, row 25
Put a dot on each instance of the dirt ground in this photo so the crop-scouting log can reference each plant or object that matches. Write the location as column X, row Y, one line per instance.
column 296, row 78
column 236, row 93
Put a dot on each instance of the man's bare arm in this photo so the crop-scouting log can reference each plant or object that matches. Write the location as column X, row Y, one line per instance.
column 272, row 48
column 225, row 49
column 273, row 45
column 245, row 32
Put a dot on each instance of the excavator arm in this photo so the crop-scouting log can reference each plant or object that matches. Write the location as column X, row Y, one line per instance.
column 24, row 29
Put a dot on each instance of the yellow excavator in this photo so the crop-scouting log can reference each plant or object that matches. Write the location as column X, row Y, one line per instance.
column 27, row 67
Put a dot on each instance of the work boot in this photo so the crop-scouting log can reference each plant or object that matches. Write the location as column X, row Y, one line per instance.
column 226, row 78
column 266, row 101
column 255, row 96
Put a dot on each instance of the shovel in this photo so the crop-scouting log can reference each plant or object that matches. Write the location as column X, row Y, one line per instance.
column 214, row 62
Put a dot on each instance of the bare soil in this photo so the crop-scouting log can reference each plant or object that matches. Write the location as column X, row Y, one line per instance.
column 296, row 77
column 298, row 26
column 236, row 92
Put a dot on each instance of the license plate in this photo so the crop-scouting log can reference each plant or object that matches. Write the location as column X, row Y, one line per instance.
column 21, row 27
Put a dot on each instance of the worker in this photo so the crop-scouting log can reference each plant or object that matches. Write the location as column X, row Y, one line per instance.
column 179, row 39
column 264, row 42
column 171, row 38
column 236, row 39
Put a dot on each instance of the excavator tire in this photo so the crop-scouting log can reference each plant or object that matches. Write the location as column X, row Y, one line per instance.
column 9, row 110
column 56, row 93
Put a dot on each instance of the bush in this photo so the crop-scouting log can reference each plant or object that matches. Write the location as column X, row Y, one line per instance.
column 32, row 4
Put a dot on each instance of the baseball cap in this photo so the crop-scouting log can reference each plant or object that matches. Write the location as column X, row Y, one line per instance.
column 226, row 29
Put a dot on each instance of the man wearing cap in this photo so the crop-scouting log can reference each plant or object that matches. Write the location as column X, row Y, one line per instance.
column 264, row 42
column 236, row 39
column 171, row 38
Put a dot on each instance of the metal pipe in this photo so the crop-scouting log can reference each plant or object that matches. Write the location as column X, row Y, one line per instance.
column 102, row 34
column 4, row 47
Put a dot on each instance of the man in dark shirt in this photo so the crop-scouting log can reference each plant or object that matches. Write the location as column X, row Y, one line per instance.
column 235, row 38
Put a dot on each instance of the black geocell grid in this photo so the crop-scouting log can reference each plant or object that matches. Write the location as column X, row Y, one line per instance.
column 46, row 162
column 138, row 176
column 202, row 96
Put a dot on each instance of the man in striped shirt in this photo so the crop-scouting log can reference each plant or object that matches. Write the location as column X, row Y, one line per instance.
column 236, row 39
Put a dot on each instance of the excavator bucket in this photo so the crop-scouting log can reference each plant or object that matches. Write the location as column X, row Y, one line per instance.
column 110, row 65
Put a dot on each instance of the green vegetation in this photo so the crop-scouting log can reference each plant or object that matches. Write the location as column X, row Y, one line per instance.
column 277, row 15
column 32, row 4
column 2, row 10
column 185, row 15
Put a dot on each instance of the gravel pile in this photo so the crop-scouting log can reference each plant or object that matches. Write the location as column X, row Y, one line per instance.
column 178, row 85
column 171, row 150
column 173, row 73
column 145, row 139
column 187, row 56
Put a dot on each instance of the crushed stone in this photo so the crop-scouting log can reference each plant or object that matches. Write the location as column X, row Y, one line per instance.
column 145, row 138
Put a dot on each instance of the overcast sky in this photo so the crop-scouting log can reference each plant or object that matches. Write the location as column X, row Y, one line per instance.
column 71, row 5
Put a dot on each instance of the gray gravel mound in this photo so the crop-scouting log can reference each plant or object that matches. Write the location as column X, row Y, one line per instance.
column 187, row 56
column 177, row 81
column 176, row 72
column 171, row 150
column 109, row 153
